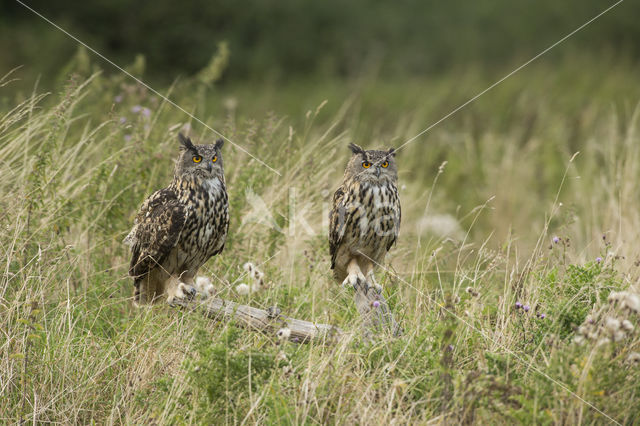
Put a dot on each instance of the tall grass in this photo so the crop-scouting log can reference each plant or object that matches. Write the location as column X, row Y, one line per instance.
column 76, row 165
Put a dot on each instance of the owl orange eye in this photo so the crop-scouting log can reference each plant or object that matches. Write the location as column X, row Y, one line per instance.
column 197, row 158
column 385, row 164
column 214, row 159
column 366, row 164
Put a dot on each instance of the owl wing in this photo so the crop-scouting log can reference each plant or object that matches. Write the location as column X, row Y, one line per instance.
column 157, row 230
column 396, row 229
column 337, row 224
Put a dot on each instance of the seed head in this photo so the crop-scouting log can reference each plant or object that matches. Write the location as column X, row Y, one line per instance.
column 284, row 333
column 613, row 324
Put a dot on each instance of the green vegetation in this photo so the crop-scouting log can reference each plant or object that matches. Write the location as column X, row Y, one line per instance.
column 277, row 41
column 77, row 163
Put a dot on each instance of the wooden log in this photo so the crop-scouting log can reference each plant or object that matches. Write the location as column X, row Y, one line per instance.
column 267, row 321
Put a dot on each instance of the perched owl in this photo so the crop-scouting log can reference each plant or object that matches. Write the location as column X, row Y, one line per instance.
column 365, row 218
column 181, row 226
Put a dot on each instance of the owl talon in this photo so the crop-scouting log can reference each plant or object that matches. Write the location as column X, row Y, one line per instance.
column 183, row 292
column 355, row 280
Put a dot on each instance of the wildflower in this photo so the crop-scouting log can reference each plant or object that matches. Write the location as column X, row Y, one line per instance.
column 518, row 305
column 618, row 335
column 146, row 112
column 542, row 316
column 613, row 324
column 375, row 304
column 556, row 240
column 598, row 259
column 526, row 308
column 122, row 120
column 118, row 99
column 127, row 138
column 136, row 109
column 578, row 340
column 284, row 333
column 242, row 289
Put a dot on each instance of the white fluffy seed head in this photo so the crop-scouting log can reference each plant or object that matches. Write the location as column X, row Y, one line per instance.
column 248, row 267
column 632, row 301
column 612, row 324
column 619, row 335
column 627, row 325
column 203, row 282
column 242, row 289
column 284, row 333
column 633, row 357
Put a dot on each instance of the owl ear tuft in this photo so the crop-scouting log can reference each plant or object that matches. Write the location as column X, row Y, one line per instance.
column 219, row 143
column 186, row 143
column 391, row 152
column 356, row 149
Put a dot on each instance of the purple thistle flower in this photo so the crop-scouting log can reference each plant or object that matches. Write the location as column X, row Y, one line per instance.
column 146, row 112
column 518, row 305
column 598, row 259
column 118, row 99
column 543, row 316
column 136, row 109
column 122, row 120
column 375, row 304
column 556, row 240
column 526, row 308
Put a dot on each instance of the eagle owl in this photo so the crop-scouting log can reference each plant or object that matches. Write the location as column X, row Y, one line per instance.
column 365, row 218
column 180, row 227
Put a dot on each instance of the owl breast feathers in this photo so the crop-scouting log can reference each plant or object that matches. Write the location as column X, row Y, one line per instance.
column 365, row 218
column 180, row 227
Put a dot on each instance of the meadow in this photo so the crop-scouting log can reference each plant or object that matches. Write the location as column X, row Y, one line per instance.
column 515, row 278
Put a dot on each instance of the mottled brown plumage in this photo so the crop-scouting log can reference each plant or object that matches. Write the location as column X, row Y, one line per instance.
column 365, row 218
column 180, row 227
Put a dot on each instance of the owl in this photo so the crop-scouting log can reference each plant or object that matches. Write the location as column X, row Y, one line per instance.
column 365, row 216
column 178, row 228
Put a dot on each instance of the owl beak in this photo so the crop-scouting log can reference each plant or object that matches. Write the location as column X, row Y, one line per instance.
column 209, row 167
column 377, row 171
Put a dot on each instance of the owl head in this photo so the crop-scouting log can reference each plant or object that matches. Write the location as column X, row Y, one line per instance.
column 199, row 161
column 372, row 165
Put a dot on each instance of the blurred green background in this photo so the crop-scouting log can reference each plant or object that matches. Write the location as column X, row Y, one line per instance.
column 276, row 41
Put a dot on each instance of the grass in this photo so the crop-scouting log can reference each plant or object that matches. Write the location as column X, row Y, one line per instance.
column 502, row 176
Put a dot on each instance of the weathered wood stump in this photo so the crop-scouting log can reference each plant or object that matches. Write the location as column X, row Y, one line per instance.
column 375, row 312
